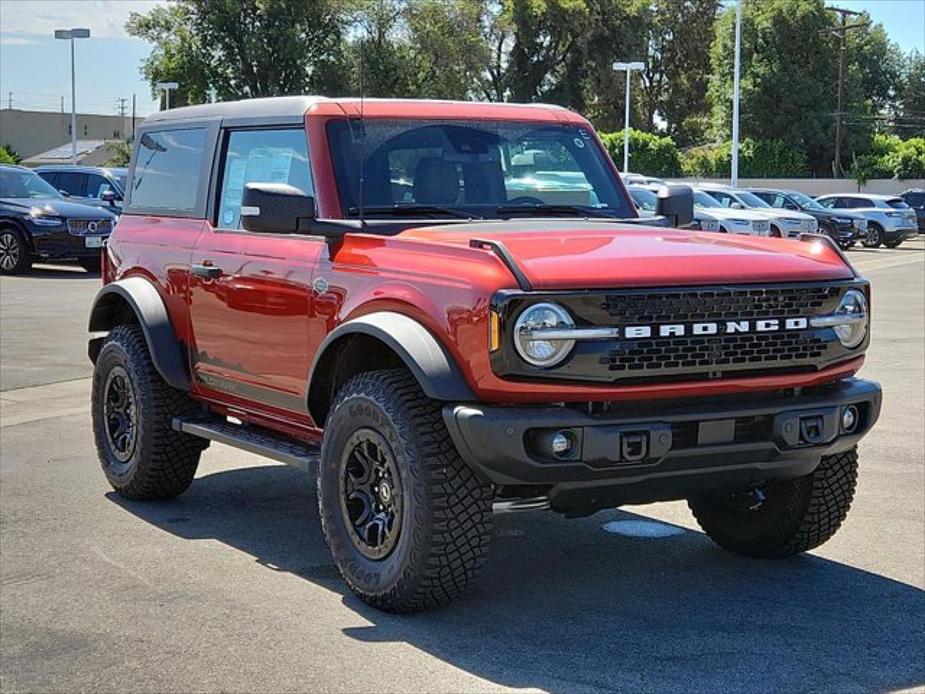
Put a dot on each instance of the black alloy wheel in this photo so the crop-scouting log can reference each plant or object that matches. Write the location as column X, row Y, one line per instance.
column 371, row 494
column 120, row 413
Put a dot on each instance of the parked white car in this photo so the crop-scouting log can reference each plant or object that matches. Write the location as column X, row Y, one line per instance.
column 645, row 197
column 731, row 220
column 890, row 221
column 784, row 223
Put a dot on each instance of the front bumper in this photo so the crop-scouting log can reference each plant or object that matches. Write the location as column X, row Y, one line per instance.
column 657, row 451
column 59, row 244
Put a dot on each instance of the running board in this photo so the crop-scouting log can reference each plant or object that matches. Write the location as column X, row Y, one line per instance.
column 261, row 442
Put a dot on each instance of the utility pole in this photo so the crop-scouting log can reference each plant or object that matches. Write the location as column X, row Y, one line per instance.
column 62, row 103
column 842, row 33
column 734, row 173
column 133, row 117
column 9, row 102
column 121, row 101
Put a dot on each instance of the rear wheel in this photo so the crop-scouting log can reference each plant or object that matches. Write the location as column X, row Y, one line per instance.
column 893, row 244
column 132, row 410
column 874, row 235
column 408, row 522
column 782, row 518
column 14, row 254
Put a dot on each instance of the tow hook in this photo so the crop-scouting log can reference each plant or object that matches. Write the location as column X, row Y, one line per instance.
column 812, row 429
column 634, row 445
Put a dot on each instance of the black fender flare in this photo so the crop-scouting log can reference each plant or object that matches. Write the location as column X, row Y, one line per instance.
column 416, row 346
column 146, row 303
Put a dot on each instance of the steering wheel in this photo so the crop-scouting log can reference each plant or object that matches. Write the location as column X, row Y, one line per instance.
column 525, row 200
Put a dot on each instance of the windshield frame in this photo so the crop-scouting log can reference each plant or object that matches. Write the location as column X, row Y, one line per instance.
column 592, row 164
column 30, row 176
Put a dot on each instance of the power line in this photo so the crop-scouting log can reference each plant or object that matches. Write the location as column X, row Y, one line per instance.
column 842, row 33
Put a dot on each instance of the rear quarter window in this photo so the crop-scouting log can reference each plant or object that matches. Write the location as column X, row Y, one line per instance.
column 168, row 167
column 897, row 204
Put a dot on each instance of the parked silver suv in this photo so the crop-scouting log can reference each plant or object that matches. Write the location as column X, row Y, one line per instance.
column 890, row 221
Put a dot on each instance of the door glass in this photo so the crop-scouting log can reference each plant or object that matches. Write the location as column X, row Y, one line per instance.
column 724, row 199
column 264, row 156
column 72, row 183
column 168, row 169
column 97, row 185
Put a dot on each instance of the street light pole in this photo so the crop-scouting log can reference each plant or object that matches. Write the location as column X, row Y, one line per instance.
column 735, row 96
column 167, row 86
column 70, row 35
column 629, row 67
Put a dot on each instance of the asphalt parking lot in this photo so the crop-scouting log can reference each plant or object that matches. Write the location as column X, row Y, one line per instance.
column 230, row 587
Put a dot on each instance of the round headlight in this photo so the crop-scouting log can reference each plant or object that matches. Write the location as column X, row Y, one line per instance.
column 535, row 348
column 853, row 308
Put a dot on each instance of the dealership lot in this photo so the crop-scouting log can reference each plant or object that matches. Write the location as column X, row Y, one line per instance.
column 230, row 586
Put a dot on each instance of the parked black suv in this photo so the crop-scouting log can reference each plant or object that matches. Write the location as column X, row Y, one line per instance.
column 94, row 185
column 915, row 198
column 37, row 223
column 843, row 227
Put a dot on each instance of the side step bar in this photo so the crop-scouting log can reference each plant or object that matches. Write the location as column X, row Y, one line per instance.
column 295, row 453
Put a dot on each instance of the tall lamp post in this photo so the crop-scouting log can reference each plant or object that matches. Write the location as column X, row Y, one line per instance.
column 629, row 67
column 734, row 174
column 167, row 86
column 70, row 35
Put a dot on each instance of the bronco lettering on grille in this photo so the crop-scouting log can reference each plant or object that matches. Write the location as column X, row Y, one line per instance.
column 635, row 332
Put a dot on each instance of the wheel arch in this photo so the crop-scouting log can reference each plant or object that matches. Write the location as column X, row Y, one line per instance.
column 16, row 225
column 136, row 300
column 383, row 340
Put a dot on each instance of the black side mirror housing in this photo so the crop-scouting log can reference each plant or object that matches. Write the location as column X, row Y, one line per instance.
column 64, row 193
column 276, row 208
column 676, row 204
column 109, row 196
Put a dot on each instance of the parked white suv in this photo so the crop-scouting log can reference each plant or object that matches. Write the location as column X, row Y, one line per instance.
column 732, row 220
column 784, row 223
column 890, row 221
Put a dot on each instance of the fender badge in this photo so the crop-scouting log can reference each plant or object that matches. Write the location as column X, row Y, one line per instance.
column 320, row 285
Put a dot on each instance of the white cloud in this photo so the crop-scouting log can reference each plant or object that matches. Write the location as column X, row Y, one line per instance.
column 105, row 18
column 16, row 41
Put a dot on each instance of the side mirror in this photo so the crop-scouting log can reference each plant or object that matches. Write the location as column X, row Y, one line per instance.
column 109, row 196
column 792, row 206
column 676, row 204
column 737, row 206
column 64, row 193
column 276, row 208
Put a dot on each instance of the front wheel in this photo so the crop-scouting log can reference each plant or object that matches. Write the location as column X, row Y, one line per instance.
column 14, row 255
column 408, row 522
column 783, row 518
column 874, row 236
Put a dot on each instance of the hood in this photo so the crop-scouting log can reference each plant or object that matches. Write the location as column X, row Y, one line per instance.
column 59, row 208
column 581, row 254
column 730, row 213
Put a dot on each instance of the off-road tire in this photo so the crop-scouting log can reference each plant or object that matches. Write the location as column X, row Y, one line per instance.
column 91, row 265
column 13, row 242
column 796, row 516
column 163, row 461
column 874, row 236
column 446, row 506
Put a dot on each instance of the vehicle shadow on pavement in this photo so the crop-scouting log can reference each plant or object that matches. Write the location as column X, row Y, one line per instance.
column 563, row 605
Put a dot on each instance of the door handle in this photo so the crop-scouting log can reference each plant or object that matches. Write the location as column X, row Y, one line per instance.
column 206, row 270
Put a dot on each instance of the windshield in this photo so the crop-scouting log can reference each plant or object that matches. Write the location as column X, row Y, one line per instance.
column 646, row 199
column 477, row 168
column 701, row 199
column 806, row 202
column 16, row 183
column 750, row 199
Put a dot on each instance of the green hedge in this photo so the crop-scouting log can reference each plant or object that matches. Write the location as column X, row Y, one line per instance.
column 757, row 159
column 8, row 155
column 652, row 155
column 890, row 157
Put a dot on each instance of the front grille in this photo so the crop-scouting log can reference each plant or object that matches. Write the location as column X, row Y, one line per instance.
column 755, row 351
column 717, row 305
column 671, row 348
column 89, row 227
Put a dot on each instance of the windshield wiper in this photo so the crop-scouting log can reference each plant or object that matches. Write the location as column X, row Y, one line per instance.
column 412, row 210
column 536, row 209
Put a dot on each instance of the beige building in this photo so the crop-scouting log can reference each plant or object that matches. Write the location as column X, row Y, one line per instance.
column 35, row 132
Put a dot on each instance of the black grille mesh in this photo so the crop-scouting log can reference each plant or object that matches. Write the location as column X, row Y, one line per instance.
column 81, row 227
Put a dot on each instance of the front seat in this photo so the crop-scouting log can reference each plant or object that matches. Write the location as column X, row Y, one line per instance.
column 436, row 182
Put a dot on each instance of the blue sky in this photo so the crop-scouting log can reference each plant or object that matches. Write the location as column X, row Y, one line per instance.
column 36, row 68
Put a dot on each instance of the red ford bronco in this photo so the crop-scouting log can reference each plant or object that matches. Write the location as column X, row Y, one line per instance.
column 447, row 308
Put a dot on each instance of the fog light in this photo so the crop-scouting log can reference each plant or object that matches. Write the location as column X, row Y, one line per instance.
column 561, row 444
column 849, row 419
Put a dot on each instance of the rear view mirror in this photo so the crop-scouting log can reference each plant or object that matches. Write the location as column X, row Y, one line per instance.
column 276, row 208
column 676, row 204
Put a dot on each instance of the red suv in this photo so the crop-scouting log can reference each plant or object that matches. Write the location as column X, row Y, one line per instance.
column 449, row 307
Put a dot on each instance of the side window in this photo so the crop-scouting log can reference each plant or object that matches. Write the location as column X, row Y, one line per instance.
column 51, row 177
column 827, row 202
column 72, row 183
column 167, row 170
column 265, row 156
column 842, row 203
column 97, row 185
column 724, row 199
column 859, row 202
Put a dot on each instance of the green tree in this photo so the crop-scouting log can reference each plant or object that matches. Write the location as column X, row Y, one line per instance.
column 910, row 118
column 650, row 154
column 243, row 48
column 8, row 155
